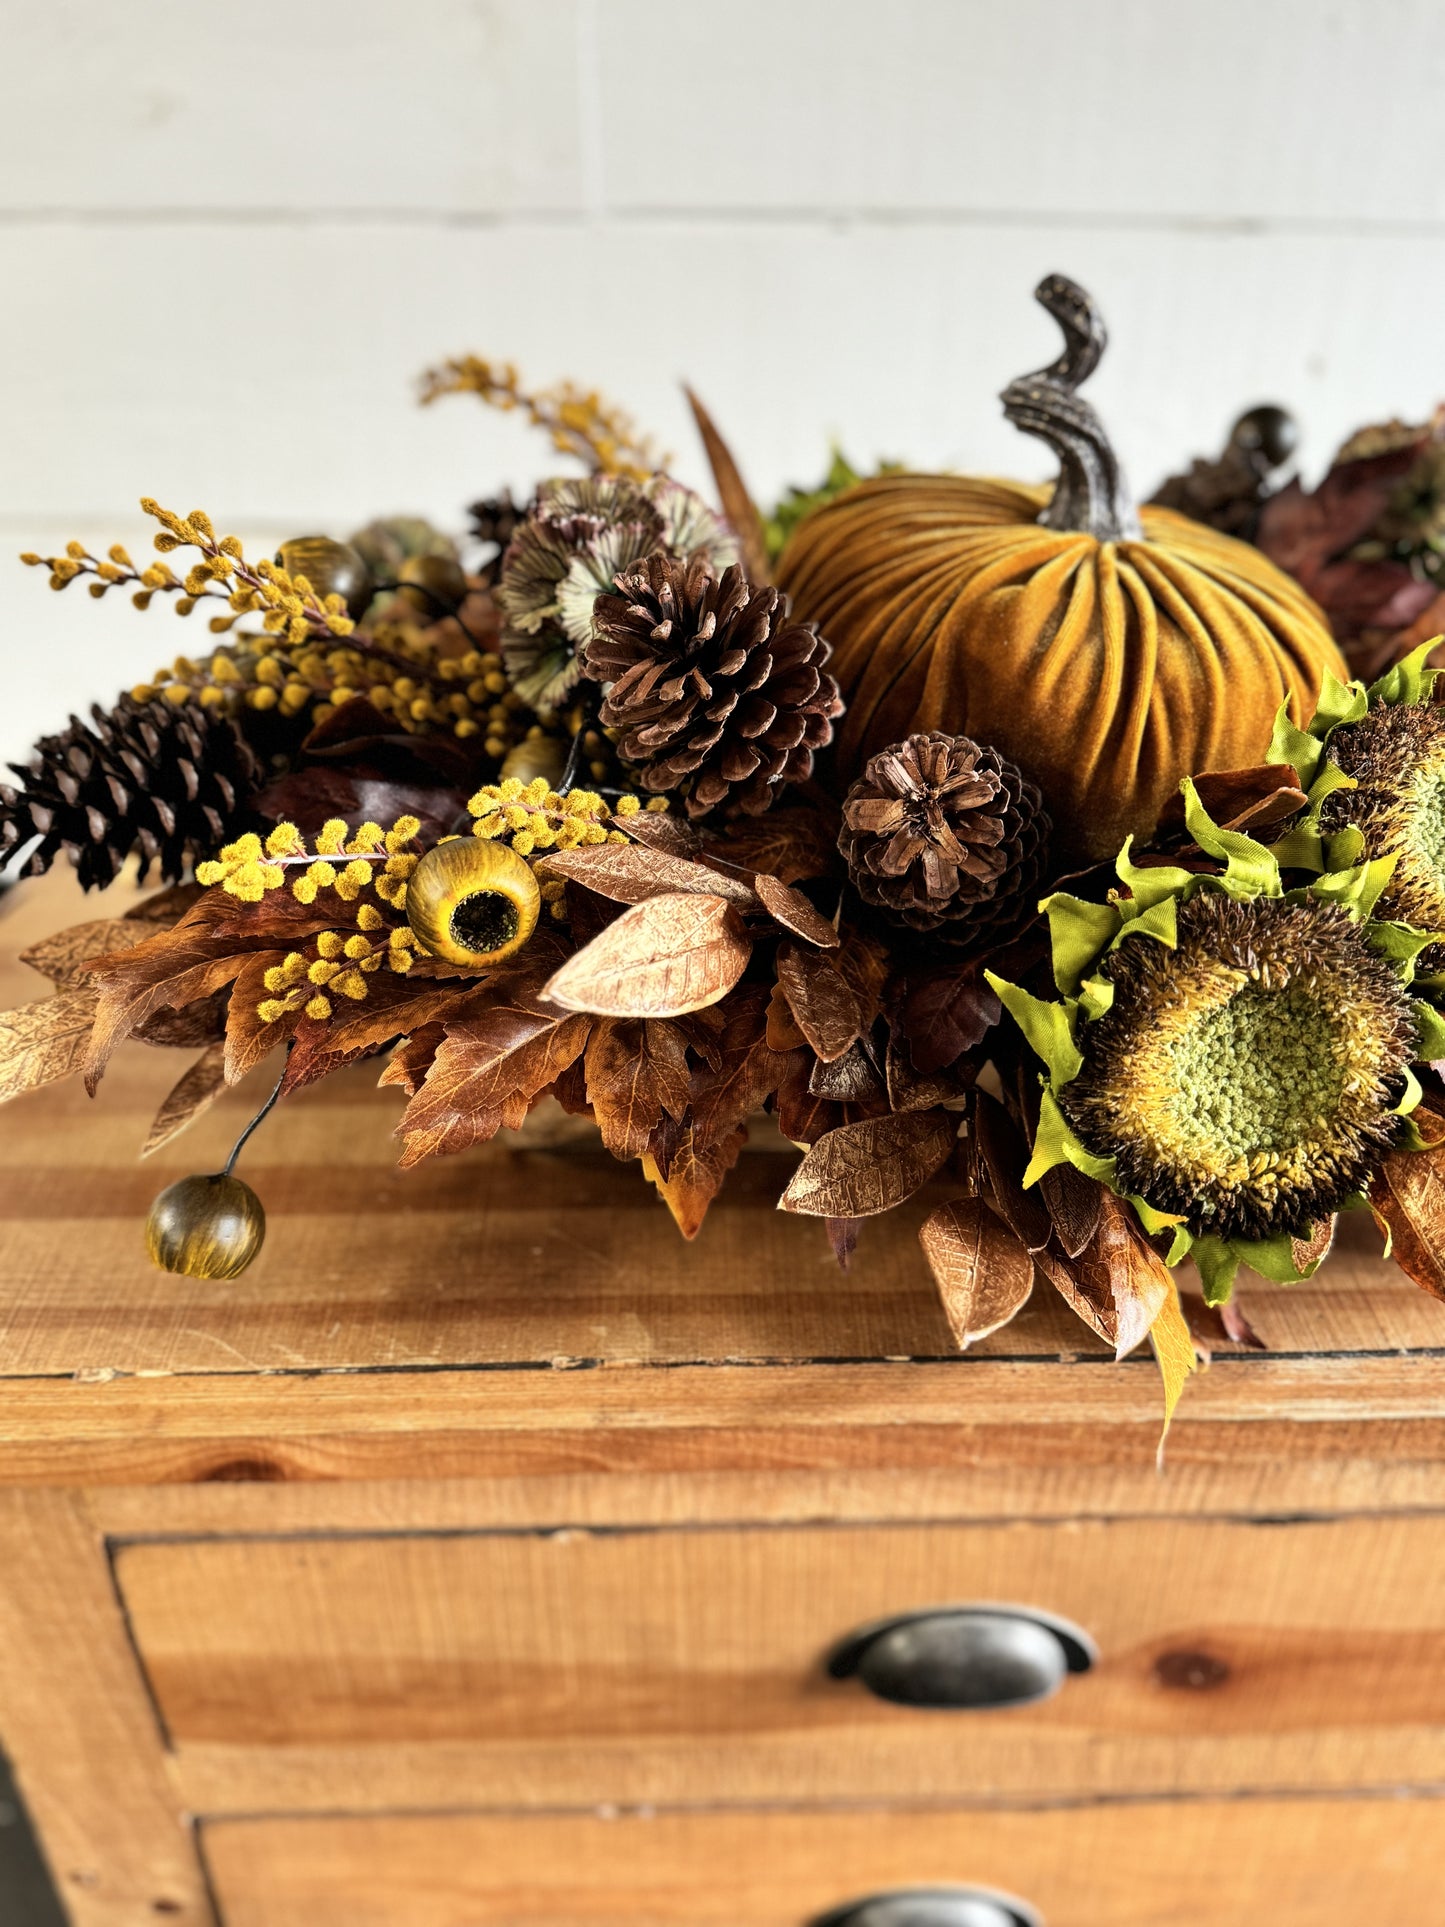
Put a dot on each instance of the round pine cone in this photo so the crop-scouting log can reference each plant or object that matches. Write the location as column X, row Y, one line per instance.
column 714, row 687
column 167, row 779
column 947, row 836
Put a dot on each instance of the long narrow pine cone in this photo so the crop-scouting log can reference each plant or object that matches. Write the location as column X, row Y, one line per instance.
column 715, row 689
column 947, row 836
column 166, row 779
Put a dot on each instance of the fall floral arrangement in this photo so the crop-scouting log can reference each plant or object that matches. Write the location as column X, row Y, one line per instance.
column 1014, row 838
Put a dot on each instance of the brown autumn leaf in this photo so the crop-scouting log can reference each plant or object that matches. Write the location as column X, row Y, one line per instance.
column 1118, row 1283
column 166, row 906
column 746, row 1072
column 1312, row 1250
column 249, row 1041
column 631, row 873
column 636, row 1069
column 1074, row 1203
column 793, row 911
column 694, row 1176
column 737, row 504
column 43, row 1042
column 59, row 957
column 1239, row 799
column 984, row 1273
column 412, row 1058
column 864, row 1168
column 792, row 843
column 195, row 1092
column 1004, row 1157
column 824, row 1005
column 1408, row 1199
column 944, row 1013
column 394, row 1006
column 661, row 958
column 189, row 1027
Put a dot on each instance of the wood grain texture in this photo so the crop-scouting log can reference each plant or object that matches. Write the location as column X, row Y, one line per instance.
column 1295, row 1863
column 80, row 1730
column 568, row 1667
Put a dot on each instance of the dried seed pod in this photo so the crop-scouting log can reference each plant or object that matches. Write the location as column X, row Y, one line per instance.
column 210, row 1225
column 472, row 902
column 331, row 567
column 432, row 584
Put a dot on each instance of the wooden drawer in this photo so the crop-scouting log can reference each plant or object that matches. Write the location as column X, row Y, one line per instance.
column 533, row 1668
column 1211, row 1863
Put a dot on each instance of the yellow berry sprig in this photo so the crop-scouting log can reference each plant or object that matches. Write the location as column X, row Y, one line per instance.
column 533, row 816
column 342, row 862
column 335, row 964
column 578, row 421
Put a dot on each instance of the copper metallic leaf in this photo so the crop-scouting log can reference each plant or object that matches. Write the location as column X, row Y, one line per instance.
column 41, row 1043
column 631, row 873
column 195, row 1092
column 187, row 1026
column 983, row 1271
column 852, row 1078
column 1408, row 1198
column 1314, row 1249
column 661, row 958
column 694, row 1176
column 824, row 1005
column 412, row 1058
column 167, row 906
column 1118, row 1283
column 660, row 830
column 249, row 1041
column 910, row 1090
column 943, row 1013
column 864, row 1168
column 793, row 911
column 737, row 505
column 59, row 957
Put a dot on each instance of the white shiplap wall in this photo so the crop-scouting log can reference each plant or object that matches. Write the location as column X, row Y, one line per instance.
column 233, row 231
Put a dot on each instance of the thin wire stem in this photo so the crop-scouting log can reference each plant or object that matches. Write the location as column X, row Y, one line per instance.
column 260, row 1116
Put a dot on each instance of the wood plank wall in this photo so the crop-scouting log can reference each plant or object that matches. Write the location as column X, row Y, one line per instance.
column 231, row 237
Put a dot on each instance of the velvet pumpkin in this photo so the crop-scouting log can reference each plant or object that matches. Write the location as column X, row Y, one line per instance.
column 1106, row 652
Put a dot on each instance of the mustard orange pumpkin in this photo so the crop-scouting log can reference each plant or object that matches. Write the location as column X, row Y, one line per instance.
column 1107, row 652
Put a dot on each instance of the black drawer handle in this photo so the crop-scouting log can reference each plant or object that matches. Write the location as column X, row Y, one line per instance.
column 964, row 1657
column 933, row 1907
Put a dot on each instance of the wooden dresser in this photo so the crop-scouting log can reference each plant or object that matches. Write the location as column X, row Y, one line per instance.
column 476, row 1559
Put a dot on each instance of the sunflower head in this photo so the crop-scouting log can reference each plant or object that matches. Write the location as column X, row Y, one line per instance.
column 1245, row 1080
column 1233, row 1058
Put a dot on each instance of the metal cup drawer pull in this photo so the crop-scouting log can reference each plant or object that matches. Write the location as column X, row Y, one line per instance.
column 964, row 1657
column 933, row 1907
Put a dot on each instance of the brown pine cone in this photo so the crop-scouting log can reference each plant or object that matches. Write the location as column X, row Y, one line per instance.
column 167, row 779
column 947, row 836
column 713, row 686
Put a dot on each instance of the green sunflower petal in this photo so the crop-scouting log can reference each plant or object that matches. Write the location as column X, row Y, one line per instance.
column 1049, row 1028
column 1182, row 1246
column 1251, row 869
column 1217, row 1264
column 1295, row 746
column 1358, row 889
column 1056, row 1143
column 1273, row 1258
column 1409, row 680
column 1340, row 702
column 1149, row 886
column 1432, row 1032
column 1080, row 932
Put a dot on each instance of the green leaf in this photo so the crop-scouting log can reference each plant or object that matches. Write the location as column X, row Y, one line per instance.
column 1079, row 931
column 1154, row 1221
column 1182, row 1246
column 1048, row 1027
column 1409, row 680
column 1251, row 870
column 1217, row 1265
column 1272, row 1258
column 1160, row 921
